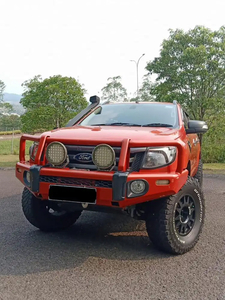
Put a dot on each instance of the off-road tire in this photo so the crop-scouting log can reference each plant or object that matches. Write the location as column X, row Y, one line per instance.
column 38, row 214
column 199, row 174
column 162, row 219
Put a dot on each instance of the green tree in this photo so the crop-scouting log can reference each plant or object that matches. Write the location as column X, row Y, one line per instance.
column 5, row 107
column 114, row 90
column 145, row 92
column 50, row 103
column 10, row 122
column 191, row 69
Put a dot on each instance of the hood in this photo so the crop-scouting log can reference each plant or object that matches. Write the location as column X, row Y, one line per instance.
column 112, row 134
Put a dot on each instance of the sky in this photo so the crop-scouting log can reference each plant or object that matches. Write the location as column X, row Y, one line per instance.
column 92, row 40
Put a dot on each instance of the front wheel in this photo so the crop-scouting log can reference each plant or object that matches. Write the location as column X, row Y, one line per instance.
column 46, row 215
column 199, row 174
column 174, row 224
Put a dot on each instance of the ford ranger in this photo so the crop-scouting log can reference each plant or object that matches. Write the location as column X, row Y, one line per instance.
column 139, row 158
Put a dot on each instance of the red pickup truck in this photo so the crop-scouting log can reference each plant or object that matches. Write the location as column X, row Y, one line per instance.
column 141, row 158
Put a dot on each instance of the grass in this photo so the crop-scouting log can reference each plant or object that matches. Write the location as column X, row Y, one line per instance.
column 6, row 146
column 9, row 160
column 214, row 168
column 9, row 155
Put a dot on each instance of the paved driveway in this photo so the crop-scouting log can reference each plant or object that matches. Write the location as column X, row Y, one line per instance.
column 107, row 256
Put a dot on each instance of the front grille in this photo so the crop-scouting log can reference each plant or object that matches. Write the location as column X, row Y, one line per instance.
column 76, row 151
column 76, row 181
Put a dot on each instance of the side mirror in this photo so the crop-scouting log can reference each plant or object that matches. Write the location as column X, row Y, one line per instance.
column 196, row 127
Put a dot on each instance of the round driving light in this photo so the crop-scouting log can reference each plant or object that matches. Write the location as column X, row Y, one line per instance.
column 28, row 177
column 137, row 186
column 103, row 156
column 56, row 153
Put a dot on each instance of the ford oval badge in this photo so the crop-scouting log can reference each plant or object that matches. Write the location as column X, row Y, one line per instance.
column 83, row 157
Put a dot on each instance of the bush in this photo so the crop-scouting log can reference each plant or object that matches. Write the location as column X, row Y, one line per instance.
column 213, row 147
column 10, row 132
column 213, row 153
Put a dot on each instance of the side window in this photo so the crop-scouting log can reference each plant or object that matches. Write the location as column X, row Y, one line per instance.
column 185, row 118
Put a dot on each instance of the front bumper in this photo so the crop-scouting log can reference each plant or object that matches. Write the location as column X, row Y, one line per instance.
column 111, row 187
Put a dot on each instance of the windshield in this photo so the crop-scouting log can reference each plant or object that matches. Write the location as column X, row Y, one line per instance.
column 133, row 114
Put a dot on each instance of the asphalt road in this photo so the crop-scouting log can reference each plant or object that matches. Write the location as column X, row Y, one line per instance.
column 106, row 256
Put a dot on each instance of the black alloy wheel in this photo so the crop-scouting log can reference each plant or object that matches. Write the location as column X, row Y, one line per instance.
column 174, row 224
column 184, row 215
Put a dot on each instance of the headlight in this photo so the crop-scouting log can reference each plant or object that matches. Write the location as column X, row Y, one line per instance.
column 159, row 157
column 56, row 153
column 33, row 150
column 103, row 156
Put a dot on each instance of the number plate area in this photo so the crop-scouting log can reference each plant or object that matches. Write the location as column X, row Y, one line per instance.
column 72, row 194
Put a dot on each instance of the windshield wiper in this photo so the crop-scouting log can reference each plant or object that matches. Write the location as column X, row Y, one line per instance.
column 123, row 123
column 103, row 124
column 116, row 124
column 157, row 125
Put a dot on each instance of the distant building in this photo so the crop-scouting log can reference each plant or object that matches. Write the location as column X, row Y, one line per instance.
column 9, row 114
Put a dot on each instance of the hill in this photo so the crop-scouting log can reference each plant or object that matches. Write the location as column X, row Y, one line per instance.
column 12, row 98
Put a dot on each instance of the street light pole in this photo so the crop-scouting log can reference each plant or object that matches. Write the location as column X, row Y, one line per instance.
column 137, row 62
